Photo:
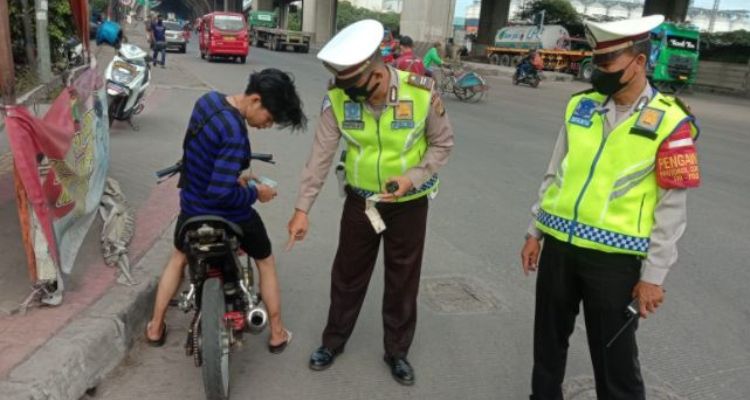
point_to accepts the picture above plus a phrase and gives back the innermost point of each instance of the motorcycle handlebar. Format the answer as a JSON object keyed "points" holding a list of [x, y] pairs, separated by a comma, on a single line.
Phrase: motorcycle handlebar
{"points": [[176, 168]]}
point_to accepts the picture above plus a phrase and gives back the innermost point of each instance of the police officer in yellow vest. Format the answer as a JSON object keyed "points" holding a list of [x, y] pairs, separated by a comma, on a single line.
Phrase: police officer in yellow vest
{"points": [[397, 136], [611, 210]]}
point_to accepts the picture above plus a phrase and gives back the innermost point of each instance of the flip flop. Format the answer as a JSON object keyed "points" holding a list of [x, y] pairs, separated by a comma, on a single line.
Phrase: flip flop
{"points": [[158, 342], [279, 348]]}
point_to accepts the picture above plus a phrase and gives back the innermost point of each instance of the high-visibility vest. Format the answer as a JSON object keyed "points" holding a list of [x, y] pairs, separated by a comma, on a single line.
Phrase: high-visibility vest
{"points": [[605, 191], [385, 147]]}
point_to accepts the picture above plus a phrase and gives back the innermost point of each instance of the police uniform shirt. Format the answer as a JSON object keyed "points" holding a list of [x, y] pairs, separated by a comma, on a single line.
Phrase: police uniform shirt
{"points": [[438, 131], [670, 215]]}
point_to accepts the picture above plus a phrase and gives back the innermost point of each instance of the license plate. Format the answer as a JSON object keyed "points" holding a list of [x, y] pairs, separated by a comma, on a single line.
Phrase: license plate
{"points": [[229, 38]]}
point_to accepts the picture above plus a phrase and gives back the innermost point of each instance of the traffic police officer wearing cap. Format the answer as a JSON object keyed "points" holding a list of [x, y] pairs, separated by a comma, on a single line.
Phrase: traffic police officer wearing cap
{"points": [[611, 209], [397, 136]]}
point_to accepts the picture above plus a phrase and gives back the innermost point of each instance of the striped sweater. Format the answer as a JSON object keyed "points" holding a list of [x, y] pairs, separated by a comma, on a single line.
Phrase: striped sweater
{"points": [[213, 160]]}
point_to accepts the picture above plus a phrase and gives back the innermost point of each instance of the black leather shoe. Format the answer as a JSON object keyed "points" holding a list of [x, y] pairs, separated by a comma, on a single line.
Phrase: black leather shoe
{"points": [[401, 370], [322, 358]]}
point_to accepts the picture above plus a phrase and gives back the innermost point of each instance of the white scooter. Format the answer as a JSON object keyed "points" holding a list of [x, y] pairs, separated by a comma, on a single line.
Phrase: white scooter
{"points": [[128, 75]]}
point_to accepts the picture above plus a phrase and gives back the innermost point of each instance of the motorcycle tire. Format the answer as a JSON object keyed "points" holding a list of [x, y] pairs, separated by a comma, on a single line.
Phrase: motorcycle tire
{"points": [[214, 341], [112, 109], [534, 82], [515, 79]]}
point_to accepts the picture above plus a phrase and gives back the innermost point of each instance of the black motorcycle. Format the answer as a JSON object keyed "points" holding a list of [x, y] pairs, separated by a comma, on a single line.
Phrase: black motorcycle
{"points": [[221, 295], [529, 77]]}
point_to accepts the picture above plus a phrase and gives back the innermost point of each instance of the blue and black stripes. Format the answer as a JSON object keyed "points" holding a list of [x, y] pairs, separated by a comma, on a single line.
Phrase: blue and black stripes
{"points": [[214, 157]]}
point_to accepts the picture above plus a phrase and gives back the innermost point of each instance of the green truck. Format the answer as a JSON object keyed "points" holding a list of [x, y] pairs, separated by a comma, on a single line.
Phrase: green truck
{"points": [[265, 32], [673, 63]]}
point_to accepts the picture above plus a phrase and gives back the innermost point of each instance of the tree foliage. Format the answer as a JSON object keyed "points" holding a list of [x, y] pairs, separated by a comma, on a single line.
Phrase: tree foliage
{"points": [[59, 27], [347, 14], [731, 47], [557, 12]]}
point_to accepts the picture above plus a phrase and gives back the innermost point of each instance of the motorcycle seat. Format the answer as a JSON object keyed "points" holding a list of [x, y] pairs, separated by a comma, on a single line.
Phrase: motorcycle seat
{"points": [[194, 223]]}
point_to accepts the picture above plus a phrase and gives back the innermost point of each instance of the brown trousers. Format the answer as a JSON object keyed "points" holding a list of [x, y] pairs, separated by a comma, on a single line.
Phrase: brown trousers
{"points": [[403, 242]]}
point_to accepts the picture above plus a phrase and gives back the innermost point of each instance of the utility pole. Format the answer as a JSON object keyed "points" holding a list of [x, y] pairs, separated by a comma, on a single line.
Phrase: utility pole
{"points": [[7, 78], [713, 16], [44, 63]]}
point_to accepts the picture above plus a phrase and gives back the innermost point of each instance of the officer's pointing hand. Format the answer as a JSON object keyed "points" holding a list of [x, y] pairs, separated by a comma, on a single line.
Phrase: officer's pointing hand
{"points": [[298, 226], [649, 297], [404, 186]]}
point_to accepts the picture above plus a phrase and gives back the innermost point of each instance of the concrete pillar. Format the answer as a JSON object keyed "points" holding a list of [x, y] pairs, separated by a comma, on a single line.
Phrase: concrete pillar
{"points": [[427, 20], [673, 10], [493, 16], [319, 18], [262, 5]]}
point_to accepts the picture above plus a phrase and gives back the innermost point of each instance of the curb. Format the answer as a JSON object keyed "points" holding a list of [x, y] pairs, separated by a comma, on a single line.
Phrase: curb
{"points": [[77, 358], [498, 71]]}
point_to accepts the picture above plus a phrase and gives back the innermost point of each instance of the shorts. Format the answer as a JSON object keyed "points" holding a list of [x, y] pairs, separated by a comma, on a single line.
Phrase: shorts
{"points": [[254, 241]]}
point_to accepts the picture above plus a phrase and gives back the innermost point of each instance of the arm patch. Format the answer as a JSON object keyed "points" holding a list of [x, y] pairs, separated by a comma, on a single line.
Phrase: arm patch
{"points": [[677, 161], [422, 82]]}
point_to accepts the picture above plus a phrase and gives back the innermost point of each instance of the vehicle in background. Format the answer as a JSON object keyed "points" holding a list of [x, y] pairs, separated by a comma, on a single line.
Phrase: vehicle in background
{"points": [[673, 64], [558, 50], [223, 34], [266, 32], [127, 76], [175, 36]]}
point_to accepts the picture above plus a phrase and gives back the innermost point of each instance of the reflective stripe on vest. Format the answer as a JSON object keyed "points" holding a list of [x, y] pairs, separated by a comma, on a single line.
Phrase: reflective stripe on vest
{"points": [[385, 147], [605, 192]]}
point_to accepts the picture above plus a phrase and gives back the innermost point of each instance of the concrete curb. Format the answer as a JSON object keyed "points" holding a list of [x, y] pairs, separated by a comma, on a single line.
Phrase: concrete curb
{"points": [[78, 357], [498, 71]]}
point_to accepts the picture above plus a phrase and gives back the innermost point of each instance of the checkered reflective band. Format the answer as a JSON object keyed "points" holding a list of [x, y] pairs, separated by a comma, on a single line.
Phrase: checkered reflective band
{"points": [[587, 232], [365, 194]]}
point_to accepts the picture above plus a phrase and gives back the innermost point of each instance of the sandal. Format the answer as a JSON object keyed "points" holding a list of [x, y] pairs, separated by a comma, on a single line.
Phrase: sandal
{"points": [[279, 348], [158, 342]]}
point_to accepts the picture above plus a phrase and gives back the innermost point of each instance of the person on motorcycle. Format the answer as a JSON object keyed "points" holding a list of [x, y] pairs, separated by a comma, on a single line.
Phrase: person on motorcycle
{"points": [[215, 181], [530, 64], [432, 59], [407, 61]]}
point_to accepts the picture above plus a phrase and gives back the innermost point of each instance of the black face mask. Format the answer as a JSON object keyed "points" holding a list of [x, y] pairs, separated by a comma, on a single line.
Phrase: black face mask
{"points": [[361, 93], [608, 83]]}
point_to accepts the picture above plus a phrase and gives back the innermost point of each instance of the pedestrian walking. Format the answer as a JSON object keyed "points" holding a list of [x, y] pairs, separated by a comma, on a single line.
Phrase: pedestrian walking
{"points": [[611, 209], [159, 40], [397, 137]]}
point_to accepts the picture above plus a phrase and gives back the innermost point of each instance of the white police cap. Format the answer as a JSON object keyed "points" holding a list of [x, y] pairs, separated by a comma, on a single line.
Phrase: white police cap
{"points": [[609, 38], [351, 51]]}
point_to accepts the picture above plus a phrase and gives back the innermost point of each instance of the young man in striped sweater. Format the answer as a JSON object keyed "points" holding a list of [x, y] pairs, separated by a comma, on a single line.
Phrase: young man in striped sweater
{"points": [[216, 173]]}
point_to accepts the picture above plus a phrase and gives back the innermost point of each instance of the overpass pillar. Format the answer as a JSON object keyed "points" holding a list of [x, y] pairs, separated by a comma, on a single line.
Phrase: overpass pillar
{"points": [[427, 20], [673, 10], [492, 16], [319, 18], [262, 5]]}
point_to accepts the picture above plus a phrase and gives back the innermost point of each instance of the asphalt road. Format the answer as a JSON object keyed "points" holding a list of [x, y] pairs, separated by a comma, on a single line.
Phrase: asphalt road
{"points": [[473, 339]]}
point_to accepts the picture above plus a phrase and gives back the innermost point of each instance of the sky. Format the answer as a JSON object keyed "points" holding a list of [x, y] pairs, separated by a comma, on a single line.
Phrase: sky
{"points": [[724, 5]]}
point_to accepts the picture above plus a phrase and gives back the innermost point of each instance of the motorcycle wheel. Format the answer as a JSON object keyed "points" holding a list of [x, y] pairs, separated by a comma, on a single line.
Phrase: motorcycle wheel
{"points": [[515, 79], [112, 109], [214, 341], [534, 82]]}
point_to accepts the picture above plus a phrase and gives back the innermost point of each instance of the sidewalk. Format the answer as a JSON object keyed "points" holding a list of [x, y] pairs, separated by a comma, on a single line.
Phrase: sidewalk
{"points": [[60, 352]]}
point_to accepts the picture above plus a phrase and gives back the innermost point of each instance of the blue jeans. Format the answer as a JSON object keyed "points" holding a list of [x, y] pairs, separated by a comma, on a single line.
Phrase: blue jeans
{"points": [[160, 47]]}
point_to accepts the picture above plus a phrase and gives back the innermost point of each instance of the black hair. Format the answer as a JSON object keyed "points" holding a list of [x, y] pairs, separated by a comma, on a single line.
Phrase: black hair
{"points": [[642, 47], [279, 96], [406, 41]]}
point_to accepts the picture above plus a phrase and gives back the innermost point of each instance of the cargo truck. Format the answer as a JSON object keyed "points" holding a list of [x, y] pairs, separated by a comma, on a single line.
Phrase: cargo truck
{"points": [[558, 50], [265, 32]]}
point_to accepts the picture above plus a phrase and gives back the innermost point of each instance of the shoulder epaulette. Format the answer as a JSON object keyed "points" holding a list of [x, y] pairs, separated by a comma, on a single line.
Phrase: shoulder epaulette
{"points": [[590, 90], [422, 82], [684, 106]]}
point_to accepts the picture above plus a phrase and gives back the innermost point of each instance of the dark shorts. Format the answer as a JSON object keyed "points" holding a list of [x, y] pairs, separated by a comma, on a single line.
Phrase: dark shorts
{"points": [[254, 241]]}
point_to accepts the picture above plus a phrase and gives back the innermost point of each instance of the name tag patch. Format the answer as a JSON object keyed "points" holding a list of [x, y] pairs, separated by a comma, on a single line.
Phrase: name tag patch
{"points": [[402, 124], [583, 113]]}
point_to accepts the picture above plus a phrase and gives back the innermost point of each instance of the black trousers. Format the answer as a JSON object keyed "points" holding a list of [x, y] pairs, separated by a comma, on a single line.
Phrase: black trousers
{"points": [[403, 243], [569, 275]]}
